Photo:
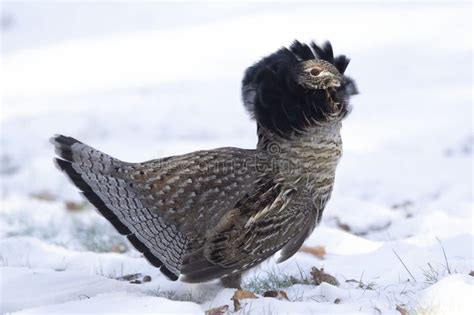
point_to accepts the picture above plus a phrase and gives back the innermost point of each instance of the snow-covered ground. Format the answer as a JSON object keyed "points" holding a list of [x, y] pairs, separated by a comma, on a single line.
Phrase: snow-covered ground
{"points": [[142, 81]]}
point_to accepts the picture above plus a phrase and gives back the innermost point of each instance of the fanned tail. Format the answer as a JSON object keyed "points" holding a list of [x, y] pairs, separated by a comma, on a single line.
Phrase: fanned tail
{"points": [[101, 181]]}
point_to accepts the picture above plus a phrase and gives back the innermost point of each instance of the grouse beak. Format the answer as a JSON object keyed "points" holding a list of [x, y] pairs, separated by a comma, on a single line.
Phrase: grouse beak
{"points": [[334, 82]]}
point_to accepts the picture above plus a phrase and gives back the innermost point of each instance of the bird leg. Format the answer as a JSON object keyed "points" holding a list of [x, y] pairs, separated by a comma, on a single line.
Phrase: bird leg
{"points": [[232, 281]]}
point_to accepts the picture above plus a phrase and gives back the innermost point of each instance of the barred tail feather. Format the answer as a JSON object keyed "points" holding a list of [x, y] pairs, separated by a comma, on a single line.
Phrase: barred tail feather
{"points": [[63, 148], [95, 174], [91, 196]]}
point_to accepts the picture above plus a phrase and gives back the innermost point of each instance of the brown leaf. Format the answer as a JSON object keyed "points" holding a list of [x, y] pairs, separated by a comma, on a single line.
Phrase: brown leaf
{"points": [[344, 226], [237, 305], [118, 248], [402, 310], [217, 310], [471, 273], [240, 295], [44, 196], [318, 251], [274, 294], [75, 206], [337, 301], [284, 295], [319, 276]]}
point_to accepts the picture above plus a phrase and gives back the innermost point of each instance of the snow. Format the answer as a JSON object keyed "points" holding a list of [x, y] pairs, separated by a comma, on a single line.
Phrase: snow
{"points": [[451, 295], [113, 304], [149, 80]]}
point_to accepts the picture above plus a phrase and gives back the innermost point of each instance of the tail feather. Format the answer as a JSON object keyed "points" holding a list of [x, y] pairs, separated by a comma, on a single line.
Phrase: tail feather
{"points": [[62, 146], [201, 270], [91, 196], [97, 176]]}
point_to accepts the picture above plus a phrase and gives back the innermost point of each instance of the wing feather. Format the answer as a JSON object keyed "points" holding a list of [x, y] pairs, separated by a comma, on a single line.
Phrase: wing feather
{"points": [[263, 226]]}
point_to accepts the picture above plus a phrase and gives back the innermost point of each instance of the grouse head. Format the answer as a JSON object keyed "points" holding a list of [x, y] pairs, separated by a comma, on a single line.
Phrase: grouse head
{"points": [[298, 87]]}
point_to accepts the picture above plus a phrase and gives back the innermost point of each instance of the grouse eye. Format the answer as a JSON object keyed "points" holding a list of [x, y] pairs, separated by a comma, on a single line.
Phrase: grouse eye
{"points": [[314, 72]]}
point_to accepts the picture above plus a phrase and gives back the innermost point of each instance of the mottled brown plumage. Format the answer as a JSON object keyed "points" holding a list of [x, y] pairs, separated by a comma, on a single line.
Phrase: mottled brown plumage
{"points": [[216, 213]]}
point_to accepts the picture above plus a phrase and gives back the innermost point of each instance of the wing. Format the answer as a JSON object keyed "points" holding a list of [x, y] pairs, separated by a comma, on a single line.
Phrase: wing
{"points": [[260, 224], [194, 190], [318, 204], [162, 206]]}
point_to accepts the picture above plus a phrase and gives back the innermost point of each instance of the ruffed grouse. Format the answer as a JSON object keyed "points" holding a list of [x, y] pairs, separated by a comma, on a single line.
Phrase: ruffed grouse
{"points": [[216, 213]]}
